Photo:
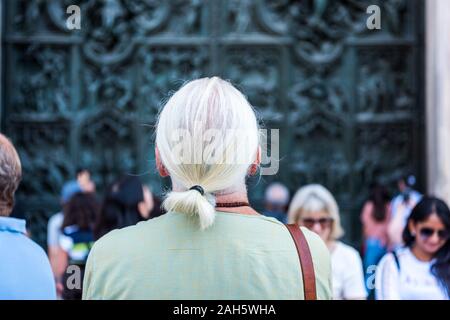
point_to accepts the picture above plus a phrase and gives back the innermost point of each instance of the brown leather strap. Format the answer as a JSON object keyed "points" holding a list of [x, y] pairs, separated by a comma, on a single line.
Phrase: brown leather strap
{"points": [[306, 262], [232, 204]]}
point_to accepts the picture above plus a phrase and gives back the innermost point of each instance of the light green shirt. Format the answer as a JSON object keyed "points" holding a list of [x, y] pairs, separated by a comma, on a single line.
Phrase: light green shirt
{"points": [[169, 257]]}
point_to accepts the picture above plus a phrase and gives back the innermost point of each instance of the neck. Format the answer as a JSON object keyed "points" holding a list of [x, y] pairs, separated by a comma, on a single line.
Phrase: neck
{"points": [[331, 244], [235, 197], [420, 254], [234, 194], [5, 209]]}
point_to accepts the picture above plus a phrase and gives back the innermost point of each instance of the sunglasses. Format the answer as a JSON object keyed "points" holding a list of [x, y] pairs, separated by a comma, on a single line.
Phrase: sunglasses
{"points": [[429, 232], [310, 223]]}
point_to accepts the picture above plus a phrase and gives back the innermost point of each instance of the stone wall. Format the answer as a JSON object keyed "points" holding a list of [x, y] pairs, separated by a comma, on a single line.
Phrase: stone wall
{"points": [[438, 97]]}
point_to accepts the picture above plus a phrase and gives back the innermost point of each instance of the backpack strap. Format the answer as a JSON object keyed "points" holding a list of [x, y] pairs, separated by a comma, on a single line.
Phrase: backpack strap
{"points": [[397, 262], [306, 262]]}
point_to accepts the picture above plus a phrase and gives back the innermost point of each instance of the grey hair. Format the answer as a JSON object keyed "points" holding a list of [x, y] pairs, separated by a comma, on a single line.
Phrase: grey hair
{"points": [[10, 175], [199, 107]]}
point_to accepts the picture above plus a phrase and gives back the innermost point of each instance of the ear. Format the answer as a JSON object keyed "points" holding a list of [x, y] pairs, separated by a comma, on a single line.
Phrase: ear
{"points": [[161, 169], [412, 228], [255, 165]]}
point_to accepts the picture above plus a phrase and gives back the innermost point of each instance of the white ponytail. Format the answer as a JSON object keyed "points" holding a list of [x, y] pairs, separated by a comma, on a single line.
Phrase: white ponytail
{"points": [[192, 202], [202, 105]]}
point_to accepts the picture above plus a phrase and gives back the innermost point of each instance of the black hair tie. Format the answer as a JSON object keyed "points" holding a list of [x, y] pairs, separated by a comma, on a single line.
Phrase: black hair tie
{"points": [[199, 189]]}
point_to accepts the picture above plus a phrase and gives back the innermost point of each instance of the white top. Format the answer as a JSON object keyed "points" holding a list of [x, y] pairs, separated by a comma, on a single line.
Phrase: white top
{"points": [[398, 200], [54, 229], [414, 280], [347, 273], [399, 217]]}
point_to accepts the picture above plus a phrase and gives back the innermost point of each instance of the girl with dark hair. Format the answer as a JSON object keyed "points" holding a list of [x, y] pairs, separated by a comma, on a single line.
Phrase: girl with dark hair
{"points": [[127, 201], [77, 238], [420, 270], [374, 218]]}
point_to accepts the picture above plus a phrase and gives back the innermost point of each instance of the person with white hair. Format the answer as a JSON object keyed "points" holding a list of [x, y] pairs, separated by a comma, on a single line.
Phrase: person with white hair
{"points": [[314, 207], [211, 244], [276, 199]]}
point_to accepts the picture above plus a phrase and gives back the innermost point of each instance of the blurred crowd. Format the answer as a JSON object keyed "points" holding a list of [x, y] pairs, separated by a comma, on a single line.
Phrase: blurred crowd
{"points": [[405, 252], [85, 218], [407, 234]]}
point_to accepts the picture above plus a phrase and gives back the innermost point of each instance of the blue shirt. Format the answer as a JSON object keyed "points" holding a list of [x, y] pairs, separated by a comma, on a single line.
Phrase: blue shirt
{"points": [[25, 272]]}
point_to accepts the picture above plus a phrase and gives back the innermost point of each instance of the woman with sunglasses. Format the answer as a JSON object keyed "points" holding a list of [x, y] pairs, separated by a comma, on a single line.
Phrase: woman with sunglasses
{"points": [[421, 269], [315, 208]]}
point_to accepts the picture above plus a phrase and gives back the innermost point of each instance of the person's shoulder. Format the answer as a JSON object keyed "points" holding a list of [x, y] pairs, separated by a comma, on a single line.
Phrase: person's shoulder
{"points": [[402, 253], [271, 222], [317, 246], [368, 205], [34, 251], [322, 264], [366, 212], [118, 238], [312, 237], [56, 219], [32, 254], [397, 199], [389, 261], [277, 215], [258, 223]]}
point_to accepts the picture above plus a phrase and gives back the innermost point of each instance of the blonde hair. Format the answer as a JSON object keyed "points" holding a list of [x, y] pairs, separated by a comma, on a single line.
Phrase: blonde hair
{"points": [[205, 105], [314, 198]]}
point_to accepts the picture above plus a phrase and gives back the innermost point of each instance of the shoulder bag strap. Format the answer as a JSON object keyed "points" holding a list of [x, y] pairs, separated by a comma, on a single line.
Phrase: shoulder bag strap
{"points": [[306, 262], [397, 261]]}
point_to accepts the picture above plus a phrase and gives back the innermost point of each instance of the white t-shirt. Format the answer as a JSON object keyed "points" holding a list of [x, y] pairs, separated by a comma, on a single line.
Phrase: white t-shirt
{"points": [[54, 229], [414, 281], [414, 197], [399, 217], [347, 273]]}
